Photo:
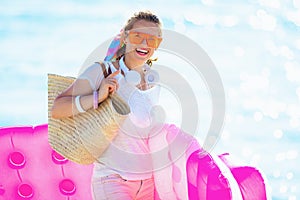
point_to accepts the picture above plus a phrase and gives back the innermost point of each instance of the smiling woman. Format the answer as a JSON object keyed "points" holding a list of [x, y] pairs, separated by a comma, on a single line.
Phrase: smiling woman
{"points": [[147, 159], [123, 72]]}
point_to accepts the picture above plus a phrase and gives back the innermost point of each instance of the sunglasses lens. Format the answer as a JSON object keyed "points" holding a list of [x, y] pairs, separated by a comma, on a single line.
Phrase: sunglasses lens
{"points": [[135, 38], [152, 42]]}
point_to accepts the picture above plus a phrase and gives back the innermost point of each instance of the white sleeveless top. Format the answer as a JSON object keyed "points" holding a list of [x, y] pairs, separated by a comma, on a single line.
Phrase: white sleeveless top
{"points": [[128, 155]]}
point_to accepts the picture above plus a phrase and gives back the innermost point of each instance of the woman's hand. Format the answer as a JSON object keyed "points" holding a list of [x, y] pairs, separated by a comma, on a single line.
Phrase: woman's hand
{"points": [[108, 86]]}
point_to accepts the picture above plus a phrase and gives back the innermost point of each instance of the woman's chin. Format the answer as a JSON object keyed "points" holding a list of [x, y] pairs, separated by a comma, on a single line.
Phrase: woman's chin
{"points": [[140, 58]]}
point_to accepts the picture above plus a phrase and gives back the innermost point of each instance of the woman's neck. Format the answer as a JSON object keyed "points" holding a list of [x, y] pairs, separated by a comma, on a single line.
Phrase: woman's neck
{"points": [[131, 65]]}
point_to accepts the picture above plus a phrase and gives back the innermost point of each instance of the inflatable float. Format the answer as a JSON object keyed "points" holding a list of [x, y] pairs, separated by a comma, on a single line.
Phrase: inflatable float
{"points": [[31, 169]]}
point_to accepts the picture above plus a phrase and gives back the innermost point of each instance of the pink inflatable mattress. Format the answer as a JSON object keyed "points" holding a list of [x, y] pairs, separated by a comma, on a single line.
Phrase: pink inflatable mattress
{"points": [[30, 169]]}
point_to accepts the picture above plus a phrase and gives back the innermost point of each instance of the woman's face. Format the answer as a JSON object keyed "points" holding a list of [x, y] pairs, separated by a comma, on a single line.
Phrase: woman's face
{"points": [[141, 42]]}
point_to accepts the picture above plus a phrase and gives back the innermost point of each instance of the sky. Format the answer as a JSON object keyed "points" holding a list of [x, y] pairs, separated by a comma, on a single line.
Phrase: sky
{"points": [[254, 44]]}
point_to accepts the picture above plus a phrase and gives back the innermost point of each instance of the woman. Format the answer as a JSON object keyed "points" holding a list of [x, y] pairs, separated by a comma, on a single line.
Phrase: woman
{"points": [[140, 164], [114, 176]]}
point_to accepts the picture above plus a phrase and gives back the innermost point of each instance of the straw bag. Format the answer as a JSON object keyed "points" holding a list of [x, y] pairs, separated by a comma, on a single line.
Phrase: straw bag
{"points": [[85, 136]]}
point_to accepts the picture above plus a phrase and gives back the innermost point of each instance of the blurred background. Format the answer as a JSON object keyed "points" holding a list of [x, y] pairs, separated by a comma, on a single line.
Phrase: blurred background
{"points": [[254, 44]]}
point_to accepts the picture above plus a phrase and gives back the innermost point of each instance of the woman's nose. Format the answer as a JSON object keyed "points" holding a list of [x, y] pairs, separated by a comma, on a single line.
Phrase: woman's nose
{"points": [[144, 41]]}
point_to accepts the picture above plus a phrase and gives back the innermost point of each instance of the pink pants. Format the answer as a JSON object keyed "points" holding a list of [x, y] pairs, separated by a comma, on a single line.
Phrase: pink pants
{"points": [[114, 187]]}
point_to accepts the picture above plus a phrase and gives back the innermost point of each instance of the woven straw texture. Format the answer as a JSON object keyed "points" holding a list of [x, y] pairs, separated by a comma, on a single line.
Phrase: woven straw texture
{"points": [[85, 136]]}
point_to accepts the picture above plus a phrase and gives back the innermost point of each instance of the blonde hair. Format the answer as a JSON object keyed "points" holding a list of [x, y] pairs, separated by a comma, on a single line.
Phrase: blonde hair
{"points": [[143, 15]]}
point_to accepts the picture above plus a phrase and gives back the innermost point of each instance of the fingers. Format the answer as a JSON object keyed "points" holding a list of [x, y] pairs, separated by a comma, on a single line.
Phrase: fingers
{"points": [[112, 82], [113, 74], [112, 88], [116, 85], [112, 85]]}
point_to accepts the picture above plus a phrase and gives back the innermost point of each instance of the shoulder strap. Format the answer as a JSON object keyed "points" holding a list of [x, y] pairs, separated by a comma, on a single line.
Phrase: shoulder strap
{"points": [[108, 71], [105, 72]]}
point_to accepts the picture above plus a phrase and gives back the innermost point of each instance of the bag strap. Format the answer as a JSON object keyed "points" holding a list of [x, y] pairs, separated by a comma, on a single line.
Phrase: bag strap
{"points": [[105, 72], [108, 72]]}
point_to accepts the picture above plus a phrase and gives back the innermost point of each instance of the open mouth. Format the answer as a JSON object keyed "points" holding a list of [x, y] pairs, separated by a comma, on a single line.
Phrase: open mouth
{"points": [[142, 51]]}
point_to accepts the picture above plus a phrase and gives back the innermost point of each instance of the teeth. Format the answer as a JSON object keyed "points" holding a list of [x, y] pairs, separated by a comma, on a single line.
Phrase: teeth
{"points": [[142, 50]]}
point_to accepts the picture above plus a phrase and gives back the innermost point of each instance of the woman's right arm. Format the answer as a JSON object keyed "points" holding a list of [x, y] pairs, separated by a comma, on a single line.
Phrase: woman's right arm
{"points": [[64, 104]]}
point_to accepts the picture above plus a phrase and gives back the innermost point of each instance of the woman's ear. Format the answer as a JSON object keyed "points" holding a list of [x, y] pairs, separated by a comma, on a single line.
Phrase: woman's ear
{"points": [[123, 36]]}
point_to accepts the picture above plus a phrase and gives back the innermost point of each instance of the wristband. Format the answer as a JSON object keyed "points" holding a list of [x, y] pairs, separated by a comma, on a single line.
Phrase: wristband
{"points": [[95, 94], [78, 105]]}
